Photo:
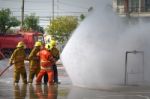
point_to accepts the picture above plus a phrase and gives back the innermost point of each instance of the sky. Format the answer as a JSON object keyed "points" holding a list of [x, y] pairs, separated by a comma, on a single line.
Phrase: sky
{"points": [[43, 8]]}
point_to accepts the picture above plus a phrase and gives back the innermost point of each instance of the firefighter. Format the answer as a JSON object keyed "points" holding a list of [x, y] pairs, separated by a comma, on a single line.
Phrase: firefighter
{"points": [[34, 62], [46, 63], [18, 57], [55, 53]]}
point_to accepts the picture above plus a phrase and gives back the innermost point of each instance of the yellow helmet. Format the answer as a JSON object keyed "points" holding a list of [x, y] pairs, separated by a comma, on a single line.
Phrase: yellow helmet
{"points": [[20, 44], [48, 46], [53, 42], [38, 43]]}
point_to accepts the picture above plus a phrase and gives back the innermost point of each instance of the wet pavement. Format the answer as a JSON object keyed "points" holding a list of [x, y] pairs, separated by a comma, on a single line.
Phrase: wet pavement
{"points": [[65, 90]]}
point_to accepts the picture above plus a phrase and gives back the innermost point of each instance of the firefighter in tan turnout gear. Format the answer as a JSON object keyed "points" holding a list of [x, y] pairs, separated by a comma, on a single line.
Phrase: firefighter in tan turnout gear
{"points": [[34, 61], [18, 57], [55, 53]]}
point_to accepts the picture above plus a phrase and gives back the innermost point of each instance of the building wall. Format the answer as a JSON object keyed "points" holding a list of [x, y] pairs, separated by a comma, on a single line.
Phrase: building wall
{"points": [[147, 5], [114, 3], [132, 7], [118, 6]]}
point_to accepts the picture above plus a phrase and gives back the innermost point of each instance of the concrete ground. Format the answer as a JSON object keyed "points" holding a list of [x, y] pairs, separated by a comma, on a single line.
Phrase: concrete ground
{"points": [[65, 90]]}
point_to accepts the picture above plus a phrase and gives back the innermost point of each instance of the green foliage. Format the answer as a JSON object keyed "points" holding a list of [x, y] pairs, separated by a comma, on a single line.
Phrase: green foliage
{"points": [[62, 27], [40, 29], [82, 17], [31, 23], [7, 21]]}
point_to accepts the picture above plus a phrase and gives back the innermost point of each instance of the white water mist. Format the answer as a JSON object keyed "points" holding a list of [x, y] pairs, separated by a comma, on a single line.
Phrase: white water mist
{"points": [[95, 54]]}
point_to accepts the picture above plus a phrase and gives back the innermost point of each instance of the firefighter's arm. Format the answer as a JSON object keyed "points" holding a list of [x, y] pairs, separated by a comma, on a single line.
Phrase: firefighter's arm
{"points": [[52, 59], [58, 55], [38, 54], [12, 58], [31, 55]]}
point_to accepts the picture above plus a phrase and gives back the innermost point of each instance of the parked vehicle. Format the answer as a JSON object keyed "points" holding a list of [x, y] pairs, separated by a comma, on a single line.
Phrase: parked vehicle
{"points": [[8, 42]]}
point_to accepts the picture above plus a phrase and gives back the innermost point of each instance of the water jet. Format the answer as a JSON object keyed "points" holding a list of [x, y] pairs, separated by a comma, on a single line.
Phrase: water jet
{"points": [[94, 57]]}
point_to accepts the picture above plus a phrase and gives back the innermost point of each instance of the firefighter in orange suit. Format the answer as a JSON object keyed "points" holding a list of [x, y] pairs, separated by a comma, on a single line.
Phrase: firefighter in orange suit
{"points": [[34, 62], [55, 53], [18, 57], [46, 63]]}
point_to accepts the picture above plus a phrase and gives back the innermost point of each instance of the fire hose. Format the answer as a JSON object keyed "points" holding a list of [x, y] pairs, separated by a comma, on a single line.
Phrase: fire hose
{"points": [[5, 69]]}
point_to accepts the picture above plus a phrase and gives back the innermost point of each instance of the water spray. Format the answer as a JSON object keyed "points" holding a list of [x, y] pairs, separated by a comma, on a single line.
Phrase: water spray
{"points": [[94, 55]]}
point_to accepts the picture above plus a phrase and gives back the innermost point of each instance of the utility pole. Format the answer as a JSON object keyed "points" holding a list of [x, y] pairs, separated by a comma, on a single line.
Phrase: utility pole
{"points": [[53, 9], [53, 14], [57, 7], [22, 13]]}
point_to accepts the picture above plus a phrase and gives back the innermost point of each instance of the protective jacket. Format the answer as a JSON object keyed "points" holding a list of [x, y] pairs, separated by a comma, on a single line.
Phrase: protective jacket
{"points": [[34, 60], [18, 58], [46, 58]]}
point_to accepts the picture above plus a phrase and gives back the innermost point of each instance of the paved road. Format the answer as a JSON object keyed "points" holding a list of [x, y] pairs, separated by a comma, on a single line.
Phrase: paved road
{"points": [[65, 90]]}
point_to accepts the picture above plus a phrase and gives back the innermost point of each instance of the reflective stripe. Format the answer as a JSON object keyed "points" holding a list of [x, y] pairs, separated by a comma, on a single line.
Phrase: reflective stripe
{"points": [[45, 61], [50, 68]]}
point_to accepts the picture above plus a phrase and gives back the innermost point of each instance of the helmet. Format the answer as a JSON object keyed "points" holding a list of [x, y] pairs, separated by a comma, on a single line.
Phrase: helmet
{"points": [[38, 43], [53, 42], [20, 44], [48, 46]]}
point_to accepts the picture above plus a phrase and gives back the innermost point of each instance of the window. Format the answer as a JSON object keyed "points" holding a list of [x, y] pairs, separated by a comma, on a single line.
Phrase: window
{"points": [[147, 5], [120, 2], [147, 2], [134, 3]]}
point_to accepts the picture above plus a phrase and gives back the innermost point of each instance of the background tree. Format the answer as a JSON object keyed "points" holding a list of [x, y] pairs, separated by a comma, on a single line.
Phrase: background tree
{"points": [[40, 29], [62, 27], [7, 21], [31, 23], [82, 17]]}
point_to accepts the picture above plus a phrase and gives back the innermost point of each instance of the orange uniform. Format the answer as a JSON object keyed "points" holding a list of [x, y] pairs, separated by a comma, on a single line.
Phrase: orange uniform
{"points": [[46, 63]]}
